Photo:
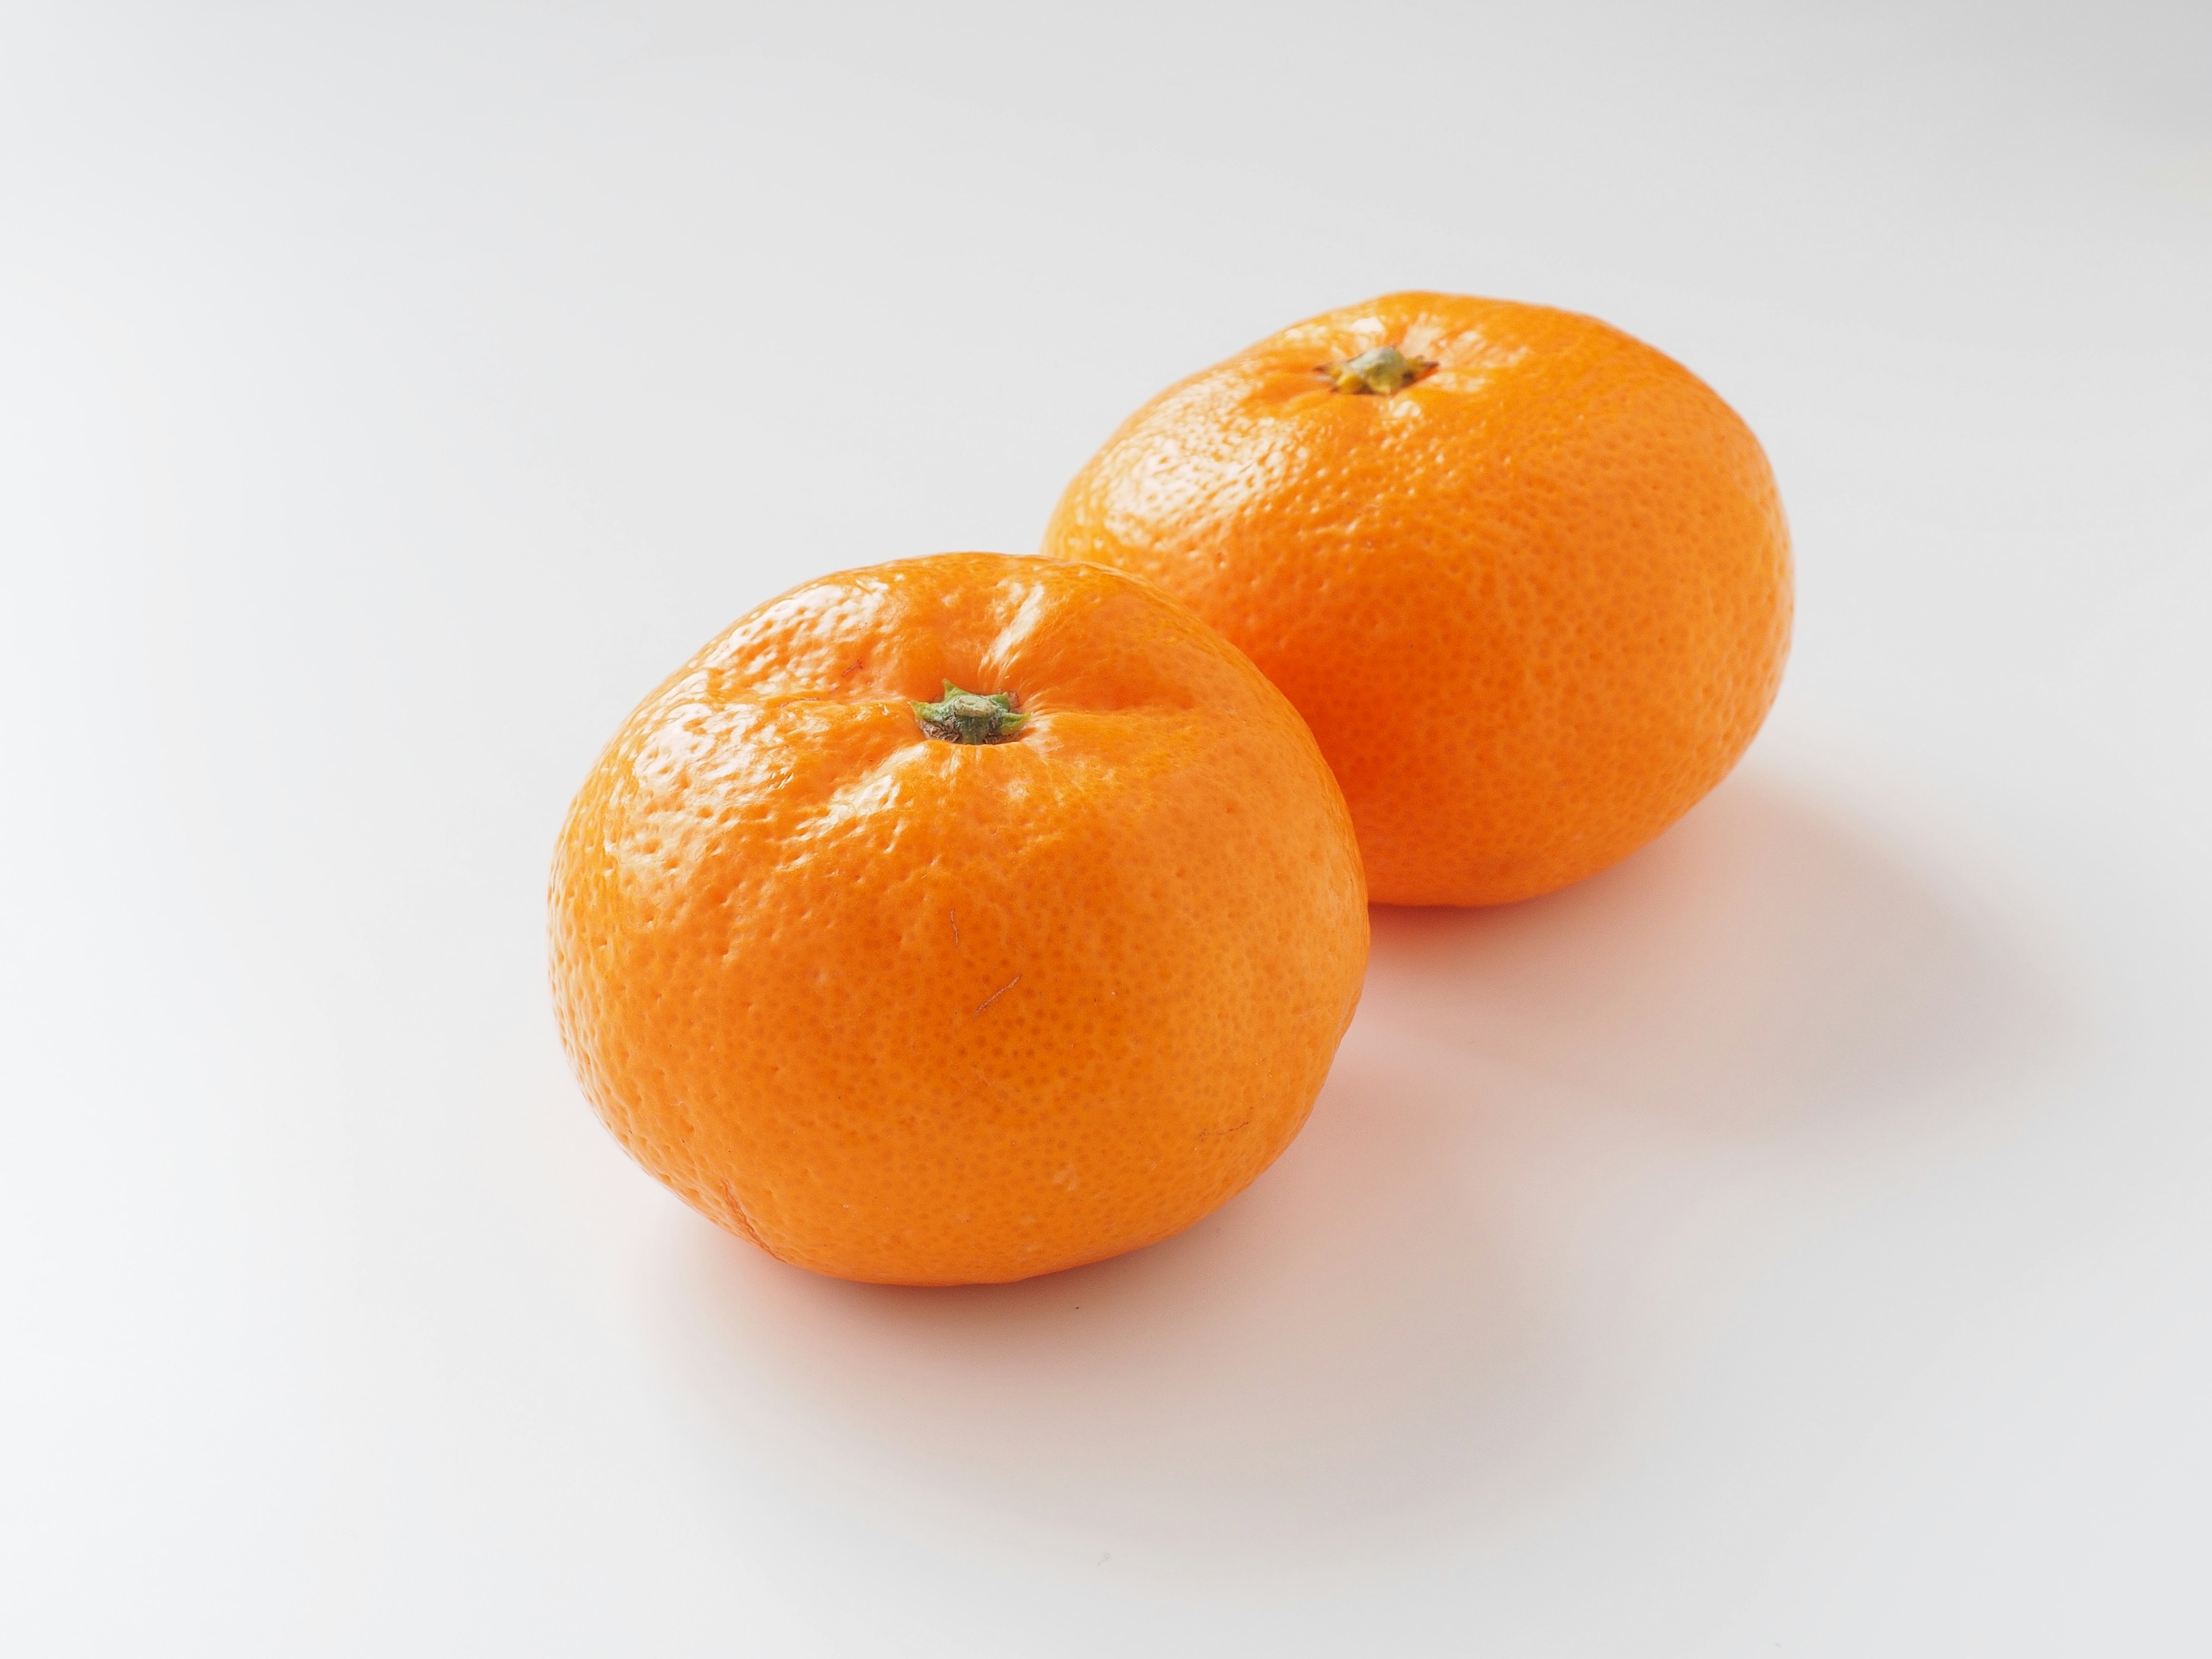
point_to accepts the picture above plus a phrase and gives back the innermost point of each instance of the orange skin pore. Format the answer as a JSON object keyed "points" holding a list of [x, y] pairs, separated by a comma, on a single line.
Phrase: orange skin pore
{"points": [[1533, 605], [923, 1011]]}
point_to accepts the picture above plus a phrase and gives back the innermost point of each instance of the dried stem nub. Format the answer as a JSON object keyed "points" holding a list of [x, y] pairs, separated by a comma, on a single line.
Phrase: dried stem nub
{"points": [[1376, 374]]}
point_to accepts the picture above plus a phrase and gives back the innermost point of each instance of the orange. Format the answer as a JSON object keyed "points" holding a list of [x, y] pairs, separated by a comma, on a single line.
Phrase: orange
{"points": [[924, 985], [1527, 579]]}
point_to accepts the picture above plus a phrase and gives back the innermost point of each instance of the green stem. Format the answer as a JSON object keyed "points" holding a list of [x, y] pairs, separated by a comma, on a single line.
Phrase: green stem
{"points": [[969, 716]]}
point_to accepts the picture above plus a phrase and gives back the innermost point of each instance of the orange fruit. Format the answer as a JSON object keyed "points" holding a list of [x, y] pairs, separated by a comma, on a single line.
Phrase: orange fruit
{"points": [[924, 986], [1527, 579]]}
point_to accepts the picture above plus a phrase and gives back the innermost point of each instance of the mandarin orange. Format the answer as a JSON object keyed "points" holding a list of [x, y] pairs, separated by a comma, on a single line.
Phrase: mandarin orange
{"points": [[1527, 579], [958, 920]]}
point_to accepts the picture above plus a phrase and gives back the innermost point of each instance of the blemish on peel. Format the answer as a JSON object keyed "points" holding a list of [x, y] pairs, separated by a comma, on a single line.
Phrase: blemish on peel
{"points": [[995, 995]]}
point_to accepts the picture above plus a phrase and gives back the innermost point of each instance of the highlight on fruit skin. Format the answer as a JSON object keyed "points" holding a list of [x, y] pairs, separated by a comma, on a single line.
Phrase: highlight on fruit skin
{"points": [[921, 984], [1527, 579]]}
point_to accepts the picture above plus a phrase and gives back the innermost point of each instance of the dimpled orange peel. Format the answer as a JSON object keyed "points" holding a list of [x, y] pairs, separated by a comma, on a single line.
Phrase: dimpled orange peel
{"points": [[1527, 579], [958, 920]]}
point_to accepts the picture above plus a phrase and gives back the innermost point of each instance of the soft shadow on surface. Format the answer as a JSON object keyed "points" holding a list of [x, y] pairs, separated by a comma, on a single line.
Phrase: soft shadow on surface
{"points": [[1266, 1381], [1765, 961], [1397, 1331]]}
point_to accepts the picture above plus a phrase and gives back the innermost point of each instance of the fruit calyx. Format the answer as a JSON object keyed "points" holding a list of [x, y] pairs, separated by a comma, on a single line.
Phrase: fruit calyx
{"points": [[1377, 373], [969, 716]]}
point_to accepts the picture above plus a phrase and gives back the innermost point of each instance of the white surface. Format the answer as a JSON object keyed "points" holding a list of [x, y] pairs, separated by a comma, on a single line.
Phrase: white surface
{"points": [[1795, 1242]]}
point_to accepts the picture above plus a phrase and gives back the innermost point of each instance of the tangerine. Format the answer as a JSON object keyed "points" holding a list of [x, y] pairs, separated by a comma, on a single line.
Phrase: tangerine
{"points": [[924, 985], [1527, 579]]}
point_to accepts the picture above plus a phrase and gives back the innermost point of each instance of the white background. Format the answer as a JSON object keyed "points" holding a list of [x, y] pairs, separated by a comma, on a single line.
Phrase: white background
{"points": [[1797, 1241]]}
